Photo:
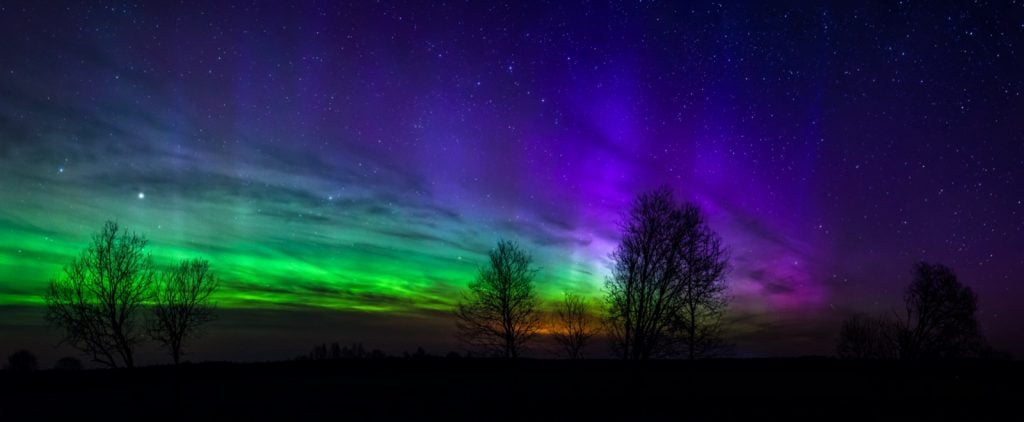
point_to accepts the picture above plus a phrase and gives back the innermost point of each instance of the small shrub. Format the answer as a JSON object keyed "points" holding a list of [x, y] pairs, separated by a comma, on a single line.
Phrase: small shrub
{"points": [[22, 361]]}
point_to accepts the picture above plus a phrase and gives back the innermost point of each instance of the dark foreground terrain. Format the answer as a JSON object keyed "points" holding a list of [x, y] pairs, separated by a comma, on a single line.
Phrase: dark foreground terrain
{"points": [[478, 389]]}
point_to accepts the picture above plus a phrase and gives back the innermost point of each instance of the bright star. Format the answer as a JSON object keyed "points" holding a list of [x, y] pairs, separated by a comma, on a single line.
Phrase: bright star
{"points": [[142, 195]]}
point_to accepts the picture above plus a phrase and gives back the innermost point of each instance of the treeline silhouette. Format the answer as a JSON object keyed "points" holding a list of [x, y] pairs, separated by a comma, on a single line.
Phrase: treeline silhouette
{"points": [[665, 298], [335, 351]]}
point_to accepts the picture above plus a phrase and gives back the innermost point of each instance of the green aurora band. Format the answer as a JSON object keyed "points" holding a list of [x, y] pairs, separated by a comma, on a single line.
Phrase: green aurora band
{"points": [[313, 259]]}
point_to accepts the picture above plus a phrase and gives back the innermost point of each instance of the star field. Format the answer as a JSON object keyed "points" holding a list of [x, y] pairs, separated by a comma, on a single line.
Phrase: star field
{"points": [[361, 159]]}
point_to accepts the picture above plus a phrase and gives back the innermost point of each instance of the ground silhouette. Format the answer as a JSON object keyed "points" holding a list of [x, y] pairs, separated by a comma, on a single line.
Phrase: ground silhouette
{"points": [[527, 389]]}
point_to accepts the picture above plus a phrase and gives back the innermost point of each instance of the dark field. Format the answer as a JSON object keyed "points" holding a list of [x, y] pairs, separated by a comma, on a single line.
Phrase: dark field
{"points": [[761, 389]]}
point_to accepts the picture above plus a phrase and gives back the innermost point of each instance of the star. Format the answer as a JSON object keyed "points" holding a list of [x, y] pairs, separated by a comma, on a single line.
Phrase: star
{"points": [[142, 195]]}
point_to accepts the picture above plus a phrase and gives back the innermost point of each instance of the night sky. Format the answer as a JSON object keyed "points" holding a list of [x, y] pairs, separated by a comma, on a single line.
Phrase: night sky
{"points": [[345, 168]]}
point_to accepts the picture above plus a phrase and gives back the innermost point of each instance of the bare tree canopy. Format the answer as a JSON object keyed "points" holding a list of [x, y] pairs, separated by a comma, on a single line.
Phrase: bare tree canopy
{"points": [[940, 316], [574, 326], [499, 313], [704, 299], [98, 297], [666, 293], [181, 305]]}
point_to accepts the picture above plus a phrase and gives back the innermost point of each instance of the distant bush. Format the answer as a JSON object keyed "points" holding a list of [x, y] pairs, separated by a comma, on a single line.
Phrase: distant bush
{"points": [[22, 361], [420, 353], [68, 363]]}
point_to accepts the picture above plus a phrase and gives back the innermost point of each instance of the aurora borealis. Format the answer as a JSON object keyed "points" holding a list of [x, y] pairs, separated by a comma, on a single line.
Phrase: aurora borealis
{"points": [[351, 164]]}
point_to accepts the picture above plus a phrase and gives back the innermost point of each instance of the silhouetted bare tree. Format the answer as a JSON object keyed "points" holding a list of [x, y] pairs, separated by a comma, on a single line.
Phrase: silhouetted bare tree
{"points": [[22, 361], [181, 305], [865, 337], [704, 299], [665, 295], [499, 313], [940, 316], [575, 326], [98, 297], [939, 323]]}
